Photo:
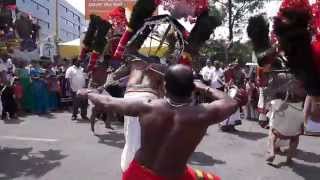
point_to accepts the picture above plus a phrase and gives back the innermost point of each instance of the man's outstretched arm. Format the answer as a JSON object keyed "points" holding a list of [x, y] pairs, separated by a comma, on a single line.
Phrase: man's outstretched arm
{"points": [[222, 105], [124, 106]]}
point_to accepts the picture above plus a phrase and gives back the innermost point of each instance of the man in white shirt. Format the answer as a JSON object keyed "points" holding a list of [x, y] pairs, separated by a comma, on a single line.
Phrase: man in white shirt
{"points": [[7, 68], [206, 72], [216, 77], [77, 80]]}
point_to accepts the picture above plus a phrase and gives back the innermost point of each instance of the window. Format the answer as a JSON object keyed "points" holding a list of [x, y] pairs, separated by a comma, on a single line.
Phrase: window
{"points": [[43, 24], [64, 8]]}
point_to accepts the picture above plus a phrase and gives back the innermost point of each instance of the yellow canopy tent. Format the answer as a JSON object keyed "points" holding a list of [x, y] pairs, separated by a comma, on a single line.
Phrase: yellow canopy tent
{"points": [[70, 49], [150, 47]]}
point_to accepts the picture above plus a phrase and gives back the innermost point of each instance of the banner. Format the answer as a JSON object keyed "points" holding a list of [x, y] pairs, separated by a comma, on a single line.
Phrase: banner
{"points": [[102, 7], [7, 2]]}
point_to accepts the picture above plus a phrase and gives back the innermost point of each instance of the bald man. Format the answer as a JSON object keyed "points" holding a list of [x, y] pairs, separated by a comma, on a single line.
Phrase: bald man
{"points": [[172, 127]]}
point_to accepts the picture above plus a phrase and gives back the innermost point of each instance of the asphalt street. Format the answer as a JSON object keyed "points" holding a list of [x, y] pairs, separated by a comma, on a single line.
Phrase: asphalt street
{"points": [[56, 148]]}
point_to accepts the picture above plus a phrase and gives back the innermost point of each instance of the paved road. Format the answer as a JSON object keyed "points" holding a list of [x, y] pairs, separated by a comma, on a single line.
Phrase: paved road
{"points": [[56, 148]]}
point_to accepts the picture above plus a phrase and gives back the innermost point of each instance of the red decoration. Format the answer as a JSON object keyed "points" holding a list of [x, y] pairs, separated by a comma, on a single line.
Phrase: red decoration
{"points": [[315, 24], [185, 59], [316, 53], [122, 43], [93, 60], [117, 17], [301, 5], [83, 52]]}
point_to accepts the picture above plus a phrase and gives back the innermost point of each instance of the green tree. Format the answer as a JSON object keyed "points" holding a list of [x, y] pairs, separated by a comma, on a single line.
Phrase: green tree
{"points": [[235, 15], [217, 50]]}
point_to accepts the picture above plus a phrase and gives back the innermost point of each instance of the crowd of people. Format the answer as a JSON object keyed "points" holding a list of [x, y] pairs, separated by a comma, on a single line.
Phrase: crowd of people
{"points": [[233, 76], [38, 87]]}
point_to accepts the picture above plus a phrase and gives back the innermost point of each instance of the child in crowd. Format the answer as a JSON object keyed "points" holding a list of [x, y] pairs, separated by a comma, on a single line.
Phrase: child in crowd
{"points": [[8, 101], [286, 125]]}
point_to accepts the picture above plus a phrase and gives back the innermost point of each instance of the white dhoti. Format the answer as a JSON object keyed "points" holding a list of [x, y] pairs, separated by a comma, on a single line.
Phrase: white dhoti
{"points": [[132, 131], [286, 118], [233, 120], [312, 128]]}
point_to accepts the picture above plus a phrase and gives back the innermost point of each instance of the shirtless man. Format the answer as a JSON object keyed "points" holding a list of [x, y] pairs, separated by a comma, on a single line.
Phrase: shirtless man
{"points": [[144, 83], [171, 128]]}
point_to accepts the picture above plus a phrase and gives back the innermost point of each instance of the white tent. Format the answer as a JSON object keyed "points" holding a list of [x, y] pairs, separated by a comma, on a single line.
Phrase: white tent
{"points": [[75, 42]]}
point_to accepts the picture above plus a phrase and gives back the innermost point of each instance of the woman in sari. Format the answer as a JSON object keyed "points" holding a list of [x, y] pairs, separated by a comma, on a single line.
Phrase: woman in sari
{"points": [[24, 75], [39, 89]]}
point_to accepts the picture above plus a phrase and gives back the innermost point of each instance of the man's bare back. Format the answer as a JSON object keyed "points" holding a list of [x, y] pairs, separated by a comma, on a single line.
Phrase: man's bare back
{"points": [[169, 136], [171, 128]]}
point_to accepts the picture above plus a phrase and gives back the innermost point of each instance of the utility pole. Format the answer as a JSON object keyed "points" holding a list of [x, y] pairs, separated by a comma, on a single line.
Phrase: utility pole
{"points": [[56, 21]]}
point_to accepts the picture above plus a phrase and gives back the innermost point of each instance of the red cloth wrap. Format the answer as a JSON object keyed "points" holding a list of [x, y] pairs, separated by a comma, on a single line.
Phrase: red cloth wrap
{"points": [[138, 172], [122, 44], [93, 60], [316, 53], [185, 60]]}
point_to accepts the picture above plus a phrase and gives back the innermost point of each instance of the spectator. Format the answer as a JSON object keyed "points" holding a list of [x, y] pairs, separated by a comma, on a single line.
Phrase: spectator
{"points": [[8, 101], [206, 72], [18, 93], [77, 80], [216, 77], [39, 89], [65, 93], [53, 91], [6, 67], [23, 74]]}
